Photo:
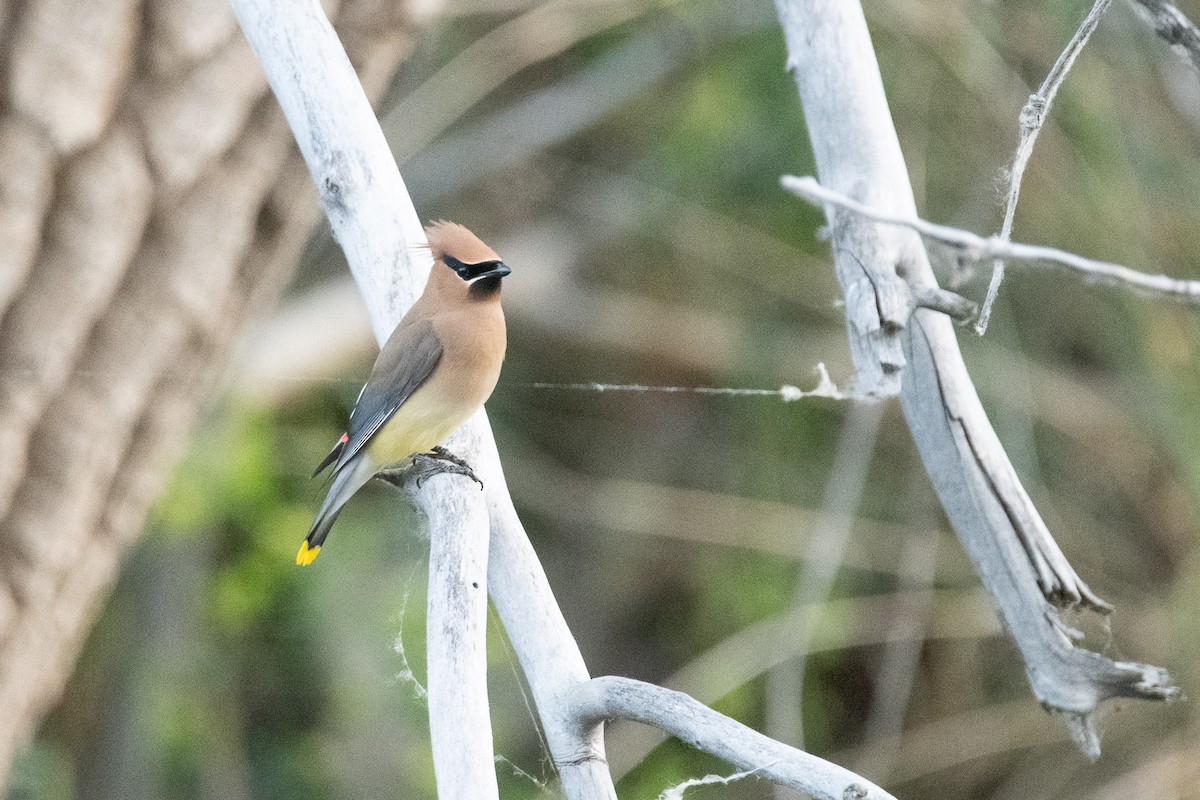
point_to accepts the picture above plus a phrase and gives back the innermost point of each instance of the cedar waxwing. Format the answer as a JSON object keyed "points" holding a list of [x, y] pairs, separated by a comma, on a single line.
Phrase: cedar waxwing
{"points": [[438, 366]]}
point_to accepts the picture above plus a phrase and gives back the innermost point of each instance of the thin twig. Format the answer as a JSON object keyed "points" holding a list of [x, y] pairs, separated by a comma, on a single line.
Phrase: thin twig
{"points": [[1033, 116], [974, 247]]}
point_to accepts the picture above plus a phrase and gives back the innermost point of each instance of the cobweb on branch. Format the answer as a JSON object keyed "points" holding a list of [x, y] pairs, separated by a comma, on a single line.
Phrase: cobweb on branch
{"points": [[787, 392]]}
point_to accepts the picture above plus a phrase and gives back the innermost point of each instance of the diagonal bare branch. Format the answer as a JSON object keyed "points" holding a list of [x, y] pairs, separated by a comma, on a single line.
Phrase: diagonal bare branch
{"points": [[973, 247], [858, 157]]}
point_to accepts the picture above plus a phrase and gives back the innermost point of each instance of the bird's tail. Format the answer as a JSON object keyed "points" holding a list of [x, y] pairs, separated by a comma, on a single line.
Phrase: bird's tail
{"points": [[346, 482]]}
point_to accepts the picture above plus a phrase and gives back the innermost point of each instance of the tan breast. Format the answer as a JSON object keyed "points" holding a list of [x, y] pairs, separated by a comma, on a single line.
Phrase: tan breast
{"points": [[473, 346]]}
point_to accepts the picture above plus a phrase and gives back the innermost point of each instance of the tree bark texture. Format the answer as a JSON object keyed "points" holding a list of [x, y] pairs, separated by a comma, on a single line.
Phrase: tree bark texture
{"points": [[151, 200]]}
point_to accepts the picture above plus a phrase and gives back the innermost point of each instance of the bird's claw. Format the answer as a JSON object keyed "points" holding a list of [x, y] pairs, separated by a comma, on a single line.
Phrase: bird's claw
{"points": [[439, 460]]}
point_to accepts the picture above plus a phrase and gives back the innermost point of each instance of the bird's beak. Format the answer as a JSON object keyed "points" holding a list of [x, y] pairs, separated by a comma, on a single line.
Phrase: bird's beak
{"points": [[499, 271]]}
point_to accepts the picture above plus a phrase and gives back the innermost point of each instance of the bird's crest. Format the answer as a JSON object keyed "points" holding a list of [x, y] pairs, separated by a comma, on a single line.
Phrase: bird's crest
{"points": [[450, 238]]}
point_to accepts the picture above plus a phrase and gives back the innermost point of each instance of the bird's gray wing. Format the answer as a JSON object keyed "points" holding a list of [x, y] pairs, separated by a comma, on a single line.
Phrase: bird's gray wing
{"points": [[407, 360]]}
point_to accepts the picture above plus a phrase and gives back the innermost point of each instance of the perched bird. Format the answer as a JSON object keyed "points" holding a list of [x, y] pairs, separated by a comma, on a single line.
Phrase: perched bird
{"points": [[438, 366]]}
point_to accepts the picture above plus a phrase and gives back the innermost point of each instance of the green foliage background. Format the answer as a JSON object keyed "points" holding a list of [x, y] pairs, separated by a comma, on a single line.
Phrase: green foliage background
{"points": [[221, 670]]}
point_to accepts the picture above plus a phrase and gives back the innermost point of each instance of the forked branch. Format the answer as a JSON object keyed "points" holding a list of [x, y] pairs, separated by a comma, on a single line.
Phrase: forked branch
{"points": [[880, 267], [377, 226], [610, 698]]}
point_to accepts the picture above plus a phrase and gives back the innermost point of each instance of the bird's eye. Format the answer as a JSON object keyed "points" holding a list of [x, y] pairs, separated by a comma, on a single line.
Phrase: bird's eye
{"points": [[460, 269]]}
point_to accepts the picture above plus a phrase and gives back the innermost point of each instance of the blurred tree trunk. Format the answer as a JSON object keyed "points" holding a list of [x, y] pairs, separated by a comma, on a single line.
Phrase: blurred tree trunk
{"points": [[151, 201]]}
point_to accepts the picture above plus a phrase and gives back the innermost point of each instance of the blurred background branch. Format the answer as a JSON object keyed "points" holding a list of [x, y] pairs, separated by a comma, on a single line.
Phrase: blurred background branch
{"points": [[1172, 26]]}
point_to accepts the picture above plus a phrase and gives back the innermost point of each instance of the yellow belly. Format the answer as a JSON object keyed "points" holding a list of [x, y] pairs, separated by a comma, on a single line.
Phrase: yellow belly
{"points": [[417, 426]]}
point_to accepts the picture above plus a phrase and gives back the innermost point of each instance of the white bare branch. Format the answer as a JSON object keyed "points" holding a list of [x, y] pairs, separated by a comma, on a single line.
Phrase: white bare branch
{"points": [[357, 180], [456, 632], [375, 222], [1032, 118], [858, 154], [539, 634], [373, 217], [881, 269], [610, 698], [973, 247]]}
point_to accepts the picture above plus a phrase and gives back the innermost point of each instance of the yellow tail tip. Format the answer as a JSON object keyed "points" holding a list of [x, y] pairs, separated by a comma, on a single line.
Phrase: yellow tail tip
{"points": [[307, 554]]}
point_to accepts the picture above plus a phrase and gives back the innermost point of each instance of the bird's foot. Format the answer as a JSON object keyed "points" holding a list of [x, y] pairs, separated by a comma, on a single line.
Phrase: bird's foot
{"points": [[443, 454], [424, 466], [437, 461]]}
